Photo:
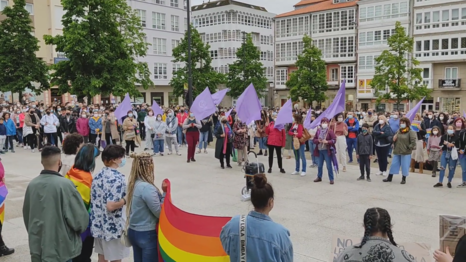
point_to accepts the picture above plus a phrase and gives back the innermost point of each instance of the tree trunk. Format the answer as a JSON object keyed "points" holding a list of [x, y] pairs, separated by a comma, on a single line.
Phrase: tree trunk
{"points": [[20, 97]]}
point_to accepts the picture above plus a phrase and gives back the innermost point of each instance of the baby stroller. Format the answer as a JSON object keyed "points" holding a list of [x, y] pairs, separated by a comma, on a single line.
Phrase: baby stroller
{"points": [[251, 169]]}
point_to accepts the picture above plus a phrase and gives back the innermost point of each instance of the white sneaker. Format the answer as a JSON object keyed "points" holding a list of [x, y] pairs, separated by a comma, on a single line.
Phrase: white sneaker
{"points": [[384, 173], [379, 173], [303, 173], [33, 151], [294, 173]]}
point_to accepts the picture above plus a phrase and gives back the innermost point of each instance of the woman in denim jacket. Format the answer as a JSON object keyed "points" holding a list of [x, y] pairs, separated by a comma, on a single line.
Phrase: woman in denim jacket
{"points": [[265, 239]]}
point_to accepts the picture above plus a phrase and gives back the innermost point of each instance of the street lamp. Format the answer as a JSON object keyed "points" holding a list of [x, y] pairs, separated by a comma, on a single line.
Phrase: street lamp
{"points": [[190, 77], [244, 54]]}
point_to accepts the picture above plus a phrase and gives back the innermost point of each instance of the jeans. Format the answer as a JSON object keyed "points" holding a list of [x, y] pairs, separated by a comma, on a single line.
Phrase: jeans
{"points": [[204, 137], [19, 134], [400, 161], [142, 130], [158, 146], [9, 140], [52, 138], [462, 159], [365, 165], [262, 143], [443, 166], [352, 143], [312, 147], [382, 155], [144, 245], [170, 140], [180, 135], [323, 156], [299, 153]]}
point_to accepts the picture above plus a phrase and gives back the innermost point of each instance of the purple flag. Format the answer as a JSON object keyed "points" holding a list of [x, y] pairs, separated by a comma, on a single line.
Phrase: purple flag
{"points": [[285, 116], [307, 121], [412, 113], [219, 95], [227, 114], [337, 106], [156, 108], [248, 106], [123, 108], [203, 106], [464, 114]]}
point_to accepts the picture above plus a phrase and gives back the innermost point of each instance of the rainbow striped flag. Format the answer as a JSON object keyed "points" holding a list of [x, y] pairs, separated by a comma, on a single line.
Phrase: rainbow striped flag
{"points": [[186, 237], [82, 180], [416, 126], [3, 194]]}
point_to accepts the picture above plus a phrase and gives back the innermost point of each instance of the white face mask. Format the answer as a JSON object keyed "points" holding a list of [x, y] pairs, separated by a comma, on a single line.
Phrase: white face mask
{"points": [[435, 132], [340, 119], [83, 116], [430, 116], [395, 116], [159, 118], [130, 115], [324, 126], [441, 118], [381, 122], [96, 115]]}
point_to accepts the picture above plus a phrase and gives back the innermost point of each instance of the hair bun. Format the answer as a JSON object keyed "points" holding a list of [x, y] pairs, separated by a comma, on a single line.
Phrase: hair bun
{"points": [[260, 180]]}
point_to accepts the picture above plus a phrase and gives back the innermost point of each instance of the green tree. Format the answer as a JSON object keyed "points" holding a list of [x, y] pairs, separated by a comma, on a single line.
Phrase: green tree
{"points": [[102, 40], [203, 74], [396, 71], [20, 68], [247, 69], [310, 80]]}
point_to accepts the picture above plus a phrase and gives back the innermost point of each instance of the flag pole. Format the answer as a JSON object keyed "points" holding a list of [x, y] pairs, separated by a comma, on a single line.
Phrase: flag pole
{"points": [[190, 77]]}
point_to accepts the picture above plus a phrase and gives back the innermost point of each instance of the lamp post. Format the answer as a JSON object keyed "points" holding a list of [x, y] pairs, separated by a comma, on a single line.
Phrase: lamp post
{"points": [[189, 65], [244, 54]]}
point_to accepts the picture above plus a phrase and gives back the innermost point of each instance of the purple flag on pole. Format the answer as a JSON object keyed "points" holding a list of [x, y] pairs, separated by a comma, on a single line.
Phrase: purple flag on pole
{"points": [[464, 114], [337, 106], [219, 95], [285, 116], [227, 114], [203, 106], [412, 113], [307, 121], [156, 108], [248, 107], [123, 108]]}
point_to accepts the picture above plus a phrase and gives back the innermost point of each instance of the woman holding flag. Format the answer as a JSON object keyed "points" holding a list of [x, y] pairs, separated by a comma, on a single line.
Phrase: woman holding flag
{"points": [[324, 139], [297, 132]]}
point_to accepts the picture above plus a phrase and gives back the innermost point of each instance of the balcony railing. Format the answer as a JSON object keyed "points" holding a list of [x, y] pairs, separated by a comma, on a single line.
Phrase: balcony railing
{"points": [[449, 83]]}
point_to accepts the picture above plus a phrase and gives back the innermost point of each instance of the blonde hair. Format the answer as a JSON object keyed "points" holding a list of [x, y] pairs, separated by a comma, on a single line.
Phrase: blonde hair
{"points": [[417, 117], [142, 169], [382, 117]]}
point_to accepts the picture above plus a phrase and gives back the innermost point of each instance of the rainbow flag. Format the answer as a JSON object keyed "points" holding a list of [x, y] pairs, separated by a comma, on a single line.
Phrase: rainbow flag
{"points": [[416, 126], [186, 237], [3, 193]]}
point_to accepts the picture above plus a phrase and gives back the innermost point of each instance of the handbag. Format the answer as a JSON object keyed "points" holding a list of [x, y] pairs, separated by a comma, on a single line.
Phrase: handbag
{"points": [[454, 153], [306, 136], [243, 238], [296, 143]]}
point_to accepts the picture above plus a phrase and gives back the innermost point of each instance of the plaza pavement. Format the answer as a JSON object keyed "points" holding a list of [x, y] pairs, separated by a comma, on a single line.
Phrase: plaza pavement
{"points": [[313, 212]]}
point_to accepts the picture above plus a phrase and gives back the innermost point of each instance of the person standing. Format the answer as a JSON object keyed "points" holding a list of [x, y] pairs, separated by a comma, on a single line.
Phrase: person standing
{"points": [[240, 141], [404, 142], [130, 126], [149, 123], [19, 126], [418, 154], [223, 133], [289, 141], [429, 122], [340, 129], [364, 149], [2, 136], [141, 117], [82, 126], [192, 126], [297, 130], [95, 126], [67, 123], [204, 134], [261, 125], [50, 122], [434, 149], [170, 136], [324, 139], [10, 132], [448, 142], [31, 129], [160, 127], [53, 212], [182, 116], [353, 130], [275, 142], [108, 192], [394, 123], [109, 128], [382, 132]]}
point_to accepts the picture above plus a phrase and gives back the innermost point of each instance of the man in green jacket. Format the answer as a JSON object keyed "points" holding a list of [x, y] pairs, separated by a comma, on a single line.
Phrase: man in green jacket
{"points": [[54, 213]]}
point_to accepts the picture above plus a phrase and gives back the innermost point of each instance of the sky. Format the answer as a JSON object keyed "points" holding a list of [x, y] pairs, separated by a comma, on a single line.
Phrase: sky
{"points": [[273, 6]]}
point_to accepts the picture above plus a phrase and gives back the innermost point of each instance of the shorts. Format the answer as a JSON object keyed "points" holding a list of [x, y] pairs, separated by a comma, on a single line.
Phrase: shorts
{"points": [[111, 250]]}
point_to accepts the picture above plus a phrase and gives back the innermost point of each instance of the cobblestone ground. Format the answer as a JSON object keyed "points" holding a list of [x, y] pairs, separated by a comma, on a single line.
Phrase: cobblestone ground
{"points": [[313, 212]]}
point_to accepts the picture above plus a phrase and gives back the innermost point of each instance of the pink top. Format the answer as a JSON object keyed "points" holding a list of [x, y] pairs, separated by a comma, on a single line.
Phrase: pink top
{"points": [[339, 128], [225, 139], [2, 173], [21, 120]]}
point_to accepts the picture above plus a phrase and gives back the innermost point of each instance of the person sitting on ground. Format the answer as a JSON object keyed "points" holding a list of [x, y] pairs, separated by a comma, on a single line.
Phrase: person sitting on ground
{"points": [[377, 242]]}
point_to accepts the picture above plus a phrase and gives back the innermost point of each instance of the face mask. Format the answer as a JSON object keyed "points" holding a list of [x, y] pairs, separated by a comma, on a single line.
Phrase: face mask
{"points": [[48, 113], [364, 131], [450, 132], [159, 118], [83, 116], [435, 132], [170, 114], [459, 124], [395, 116], [33, 106], [96, 115], [381, 122], [18, 112], [123, 162], [130, 115], [403, 125], [324, 126], [25, 110], [59, 110], [350, 116], [340, 119], [191, 115], [370, 113], [430, 116], [67, 114], [441, 118]]}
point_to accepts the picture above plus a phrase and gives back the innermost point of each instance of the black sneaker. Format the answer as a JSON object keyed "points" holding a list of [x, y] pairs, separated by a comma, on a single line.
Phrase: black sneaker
{"points": [[282, 171], [449, 185], [389, 156], [375, 161], [5, 251], [438, 185], [360, 178], [269, 171], [369, 179]]}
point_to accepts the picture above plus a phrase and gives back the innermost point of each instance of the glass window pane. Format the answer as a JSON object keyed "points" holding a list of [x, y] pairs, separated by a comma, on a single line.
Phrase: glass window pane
{"points": [[427, 17], [378, 12], [445, 15], [454, 43], [418, 46], [426, 45], [455, 14], [436, 16], [444, 44], [362, 13], [386, 9], [425, 73], [463, 13], [395, 8], [435, 44], [378, 35], [370, 12], [419, 18]]}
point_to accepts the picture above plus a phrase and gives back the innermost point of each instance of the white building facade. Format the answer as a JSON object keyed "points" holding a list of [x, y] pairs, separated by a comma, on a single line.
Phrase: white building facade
{"points": [[439, 28], [164, 23], [376, 23], [221, 24]]}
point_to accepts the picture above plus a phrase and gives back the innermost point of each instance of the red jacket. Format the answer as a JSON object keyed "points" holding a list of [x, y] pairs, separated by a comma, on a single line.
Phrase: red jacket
{"points": [[276, 137], [299, 131], [181, 117]]}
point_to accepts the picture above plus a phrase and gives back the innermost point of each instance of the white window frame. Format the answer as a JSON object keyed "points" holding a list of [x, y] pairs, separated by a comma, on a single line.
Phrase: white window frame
{"points": [[345, 72], [334, 74], [281, 76], [175, 68], [175, 23], [160, 71], [159, 2], [159, 46], [3, 4], [449, 73], [142, 16], [30, 8], [175, 43], [159, 21]]}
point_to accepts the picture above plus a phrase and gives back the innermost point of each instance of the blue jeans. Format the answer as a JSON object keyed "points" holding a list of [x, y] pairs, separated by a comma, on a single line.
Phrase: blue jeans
{"points": [[462, 159], [400, 161], [158, 146], [180, 136], [443, 166], [352, 143], [204, 137], [299, 154], [323, 156], [144, 245], [312, 147], [19, 134], [262, 143]]}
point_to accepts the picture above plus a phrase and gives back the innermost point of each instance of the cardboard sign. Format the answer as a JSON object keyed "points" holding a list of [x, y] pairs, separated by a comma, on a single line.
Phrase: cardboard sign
{"points": [[452, 228], [421, 252]]}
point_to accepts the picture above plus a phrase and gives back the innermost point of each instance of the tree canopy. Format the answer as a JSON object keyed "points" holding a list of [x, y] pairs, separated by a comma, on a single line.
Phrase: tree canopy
{"points": [[102, 40]]}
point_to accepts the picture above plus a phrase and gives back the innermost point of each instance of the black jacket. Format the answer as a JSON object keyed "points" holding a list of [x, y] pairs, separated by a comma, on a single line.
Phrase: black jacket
{"points": [[67, 125], [450, 139], [365, 145], [382, 138], [430, 123]]}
